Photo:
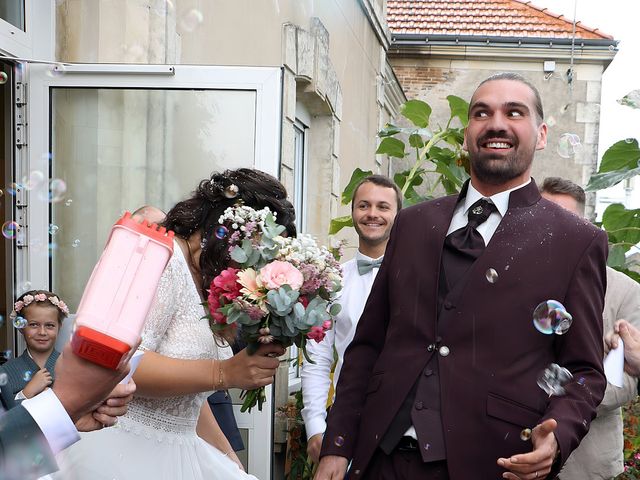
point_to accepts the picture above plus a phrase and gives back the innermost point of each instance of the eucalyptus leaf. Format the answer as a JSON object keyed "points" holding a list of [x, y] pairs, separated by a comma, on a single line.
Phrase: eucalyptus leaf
{"points": [[335, 309], [417, 112], [622, 155], [238, 255], [599, 181], [339, 223], [356, 177], [459, 109], [391, 146]]}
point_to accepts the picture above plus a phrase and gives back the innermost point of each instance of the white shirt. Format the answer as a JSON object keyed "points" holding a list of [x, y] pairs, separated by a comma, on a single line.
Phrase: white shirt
{"points": [[315, 377], [53, 420], [487, 228]]}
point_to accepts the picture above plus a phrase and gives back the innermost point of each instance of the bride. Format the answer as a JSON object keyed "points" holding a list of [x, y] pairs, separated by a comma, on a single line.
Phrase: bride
{"points": [[169, 431]]}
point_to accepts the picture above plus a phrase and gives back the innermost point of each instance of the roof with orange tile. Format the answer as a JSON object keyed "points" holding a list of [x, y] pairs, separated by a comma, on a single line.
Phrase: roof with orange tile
{"points": [[488, 18]]}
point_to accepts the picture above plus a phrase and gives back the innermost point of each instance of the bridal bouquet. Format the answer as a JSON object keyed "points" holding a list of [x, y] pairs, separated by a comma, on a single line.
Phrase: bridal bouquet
{"points": [[280, 289]]}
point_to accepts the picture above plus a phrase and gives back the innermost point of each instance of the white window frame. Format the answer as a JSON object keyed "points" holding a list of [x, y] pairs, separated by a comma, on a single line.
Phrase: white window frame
{"points": [[264, 81], [37, 40]]}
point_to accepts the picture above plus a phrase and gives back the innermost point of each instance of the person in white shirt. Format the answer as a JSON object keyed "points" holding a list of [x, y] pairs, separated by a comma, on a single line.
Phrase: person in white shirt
{"points": [[374, 205]]}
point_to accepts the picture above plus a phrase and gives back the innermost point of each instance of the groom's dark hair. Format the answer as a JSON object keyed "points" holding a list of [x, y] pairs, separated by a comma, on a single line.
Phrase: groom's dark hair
{"points": [[381, 181]]}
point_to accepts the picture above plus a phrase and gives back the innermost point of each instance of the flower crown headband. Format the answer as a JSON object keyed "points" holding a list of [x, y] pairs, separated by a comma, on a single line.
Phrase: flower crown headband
{"points": [[38, 297]]}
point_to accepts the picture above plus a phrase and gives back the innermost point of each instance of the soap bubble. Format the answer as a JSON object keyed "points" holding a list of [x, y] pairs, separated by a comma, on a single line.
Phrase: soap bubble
{"points": [[569, 145], [221, 232], [57, 189], [19, 322], [4, 378], [27, 376], [339, 441], [10, 229], [551, 317], [3, 78], [26, 286], [553, 379], [191, 20], [76, 243], [53, 229], [68, 202], [525, 434], [551, 121], [36, 178]]}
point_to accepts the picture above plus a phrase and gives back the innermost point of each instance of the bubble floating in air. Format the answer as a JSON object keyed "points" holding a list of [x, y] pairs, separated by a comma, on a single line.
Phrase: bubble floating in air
{"points": [[551, 317], [553, 379], [569, 145]]}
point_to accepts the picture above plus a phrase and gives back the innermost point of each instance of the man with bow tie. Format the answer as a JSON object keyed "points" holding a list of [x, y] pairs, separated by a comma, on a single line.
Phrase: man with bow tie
{"points": [[374, 205], [441, 378]]}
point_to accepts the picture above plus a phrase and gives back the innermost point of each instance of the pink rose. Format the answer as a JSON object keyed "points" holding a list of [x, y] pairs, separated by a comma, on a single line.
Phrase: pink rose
{"points": [[326, 325], [278, 273], [316, 333]]}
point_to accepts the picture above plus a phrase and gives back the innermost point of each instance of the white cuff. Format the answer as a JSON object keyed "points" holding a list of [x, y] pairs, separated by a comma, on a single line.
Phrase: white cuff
{"points": [[53, 420], [314, 426], [20, 396]]}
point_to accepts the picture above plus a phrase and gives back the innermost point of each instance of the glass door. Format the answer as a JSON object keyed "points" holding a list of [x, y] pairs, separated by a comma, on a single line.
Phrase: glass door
{"points": [[104, 139]]}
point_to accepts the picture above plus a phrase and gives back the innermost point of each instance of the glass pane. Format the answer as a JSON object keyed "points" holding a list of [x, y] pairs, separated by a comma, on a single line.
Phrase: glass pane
{"points": [[118, 149], [12, 11]]}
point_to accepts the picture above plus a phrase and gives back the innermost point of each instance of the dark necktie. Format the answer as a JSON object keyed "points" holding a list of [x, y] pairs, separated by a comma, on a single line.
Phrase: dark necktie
{"points": [[464, 245]]}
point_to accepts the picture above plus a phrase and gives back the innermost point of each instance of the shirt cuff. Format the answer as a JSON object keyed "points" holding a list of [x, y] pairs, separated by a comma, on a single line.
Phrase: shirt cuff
{"points": [[53, 420], [315, 426], [20, 396]]}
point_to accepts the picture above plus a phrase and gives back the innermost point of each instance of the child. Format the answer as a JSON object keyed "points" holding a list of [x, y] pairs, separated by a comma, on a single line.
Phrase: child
{"points": [[38, 314]]}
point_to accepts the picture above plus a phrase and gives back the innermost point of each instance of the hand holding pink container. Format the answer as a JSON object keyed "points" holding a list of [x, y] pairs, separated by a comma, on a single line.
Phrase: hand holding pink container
{"points": [[119, 293]]}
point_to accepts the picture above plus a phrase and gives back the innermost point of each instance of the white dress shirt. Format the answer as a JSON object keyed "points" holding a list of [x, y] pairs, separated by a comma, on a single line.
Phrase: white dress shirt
{"points": [[315, 377], [54, 421], [487, 228]]}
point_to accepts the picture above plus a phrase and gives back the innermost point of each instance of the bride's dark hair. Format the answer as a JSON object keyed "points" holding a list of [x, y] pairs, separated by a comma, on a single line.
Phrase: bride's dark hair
{"points": [[209, 201]]}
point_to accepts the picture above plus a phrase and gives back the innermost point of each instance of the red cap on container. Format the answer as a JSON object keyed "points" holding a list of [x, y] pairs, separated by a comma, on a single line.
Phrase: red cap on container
{"points": [[98, 348]]}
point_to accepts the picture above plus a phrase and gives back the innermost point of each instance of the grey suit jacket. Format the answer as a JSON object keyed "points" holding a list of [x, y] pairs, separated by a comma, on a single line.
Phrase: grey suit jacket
{"points": [[24, 451], [600, 454]]}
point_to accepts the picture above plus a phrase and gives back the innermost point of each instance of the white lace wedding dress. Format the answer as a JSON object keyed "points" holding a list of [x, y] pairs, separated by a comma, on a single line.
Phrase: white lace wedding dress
{"points": [[157, 438]]}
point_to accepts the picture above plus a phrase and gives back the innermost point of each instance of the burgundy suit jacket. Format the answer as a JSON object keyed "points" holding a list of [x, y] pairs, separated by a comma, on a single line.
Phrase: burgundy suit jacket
{"points": [[488, 382]]}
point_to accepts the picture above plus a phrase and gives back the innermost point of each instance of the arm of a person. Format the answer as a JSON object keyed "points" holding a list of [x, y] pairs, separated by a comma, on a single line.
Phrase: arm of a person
{"points": [[581, 350], [628, 309], [25, 450], [209, 430], [161, 376], [316, 382], [359, 360]]}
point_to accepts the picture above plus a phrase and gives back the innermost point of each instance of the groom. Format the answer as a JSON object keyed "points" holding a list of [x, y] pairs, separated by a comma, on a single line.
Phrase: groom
{"points": [[440, 380]]}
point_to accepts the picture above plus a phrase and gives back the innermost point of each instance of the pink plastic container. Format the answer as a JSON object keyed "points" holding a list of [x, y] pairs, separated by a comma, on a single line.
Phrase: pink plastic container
{"points": [[117, 298]]}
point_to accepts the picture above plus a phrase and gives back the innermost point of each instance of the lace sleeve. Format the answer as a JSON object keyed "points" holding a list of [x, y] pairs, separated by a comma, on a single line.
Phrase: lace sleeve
{"points": [[162, 309]]}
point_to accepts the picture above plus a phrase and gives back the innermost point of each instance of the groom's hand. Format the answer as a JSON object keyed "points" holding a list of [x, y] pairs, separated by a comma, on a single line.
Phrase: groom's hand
{"points": [[538, 463], [332, 467]]}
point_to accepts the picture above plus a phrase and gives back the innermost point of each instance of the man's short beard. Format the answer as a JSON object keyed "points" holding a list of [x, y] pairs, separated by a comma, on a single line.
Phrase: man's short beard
{"points": [[498, 171]]}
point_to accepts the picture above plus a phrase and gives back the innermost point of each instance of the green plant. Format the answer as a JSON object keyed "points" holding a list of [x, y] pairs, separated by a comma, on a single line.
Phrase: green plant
{"points": [[631, 415], [619, 163], [439, 158]]}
